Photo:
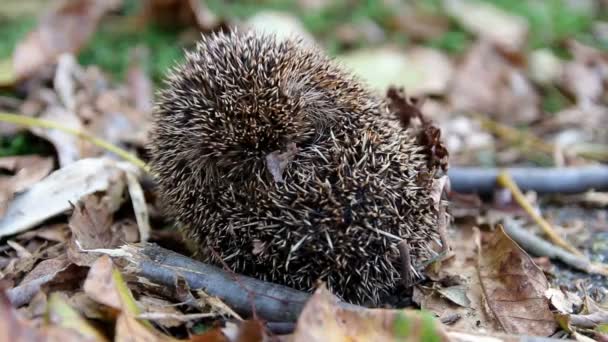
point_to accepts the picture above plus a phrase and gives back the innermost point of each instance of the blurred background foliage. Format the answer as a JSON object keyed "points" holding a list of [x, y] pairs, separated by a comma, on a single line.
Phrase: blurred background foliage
{"points": [[551, 21]]}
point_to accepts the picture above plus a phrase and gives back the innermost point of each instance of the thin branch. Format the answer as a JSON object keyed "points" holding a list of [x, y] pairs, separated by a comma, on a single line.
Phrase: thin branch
{"points": [[406, 264], [532, 143], [505, 180], [159, 316], [33, 122], [590, 321], [565, 180], [539, 247], [272, 302]]}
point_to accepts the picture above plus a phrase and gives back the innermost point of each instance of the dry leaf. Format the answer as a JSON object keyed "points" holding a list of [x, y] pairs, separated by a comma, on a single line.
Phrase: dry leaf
{"points": [[64, 316], [58, 232], [563, 301], [180, 13], [139, 207], [544, 66], [92, 225], [456, 294], [513, 286], [419, 70], [15, 328], [46, 268], [69, 148], [594, 125], [489, 22], [129, 329], [421, 24], [26, 171], [105, 285], [212, 335], [54, 194], [50, 274], [323, 320], [284, 25], [12, 327], [100, 285], [140, 85], [276, 162], [153, 305], [488, 83], [586, 74], [66, 28], [459, 270]]}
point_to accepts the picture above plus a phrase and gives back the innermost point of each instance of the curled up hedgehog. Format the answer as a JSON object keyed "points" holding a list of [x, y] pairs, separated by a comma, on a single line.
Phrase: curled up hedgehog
{"points": [[272, 158]]}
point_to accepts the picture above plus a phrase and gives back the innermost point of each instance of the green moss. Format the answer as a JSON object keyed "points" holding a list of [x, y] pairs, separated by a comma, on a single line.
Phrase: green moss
{"points": [[12, 31], [553, 100], [110, 48], [22, 144], [551, 21], [452, 42]]}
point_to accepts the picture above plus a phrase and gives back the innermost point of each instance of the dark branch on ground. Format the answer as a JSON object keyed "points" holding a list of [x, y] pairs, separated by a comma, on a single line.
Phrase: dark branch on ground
{"points": [[567, 180], [539, 247], [272, 302]]}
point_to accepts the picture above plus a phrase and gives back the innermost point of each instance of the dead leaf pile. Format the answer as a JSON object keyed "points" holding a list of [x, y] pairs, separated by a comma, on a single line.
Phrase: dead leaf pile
{"points": [[72, 222]]}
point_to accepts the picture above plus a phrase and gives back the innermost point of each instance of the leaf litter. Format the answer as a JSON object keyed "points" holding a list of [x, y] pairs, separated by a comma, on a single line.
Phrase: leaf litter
{"points": [[66, 218]]}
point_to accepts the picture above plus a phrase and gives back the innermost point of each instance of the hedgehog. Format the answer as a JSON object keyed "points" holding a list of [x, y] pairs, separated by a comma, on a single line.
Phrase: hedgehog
{"points": [[279, 164]]}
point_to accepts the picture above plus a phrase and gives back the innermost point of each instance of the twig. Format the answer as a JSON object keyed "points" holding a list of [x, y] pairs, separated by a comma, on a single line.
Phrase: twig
{"points": [[590, 321], [567, 180], [272, 302], [33, 122], [158, 316], [281, 328], [460, 336], [539, 247], [406, 264], [23, 294], [505, 180], [514, 135]]}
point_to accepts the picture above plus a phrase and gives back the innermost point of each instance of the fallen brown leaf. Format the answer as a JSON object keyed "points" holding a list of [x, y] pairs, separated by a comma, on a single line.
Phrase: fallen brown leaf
{"points": [[277, 161], [92, 226], [586, 74], [420, 70], [100, 285], [141, 88], [15, 328], [180, 13], [408, 111], [488, 83], [26, 170], [149, 304], [54, 194], [211, 335], [18, 267], [61, 315], [48, 275], [489, 22], [421, 24], [459, 270], [322, 320], [12, 327], [129, 329], [66, 28], [513, 286], [58, 232], [563, 301]]}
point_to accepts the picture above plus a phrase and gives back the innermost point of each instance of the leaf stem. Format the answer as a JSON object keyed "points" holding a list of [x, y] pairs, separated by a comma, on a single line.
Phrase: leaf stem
{"points": [[504, 179], [27, 121]]}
